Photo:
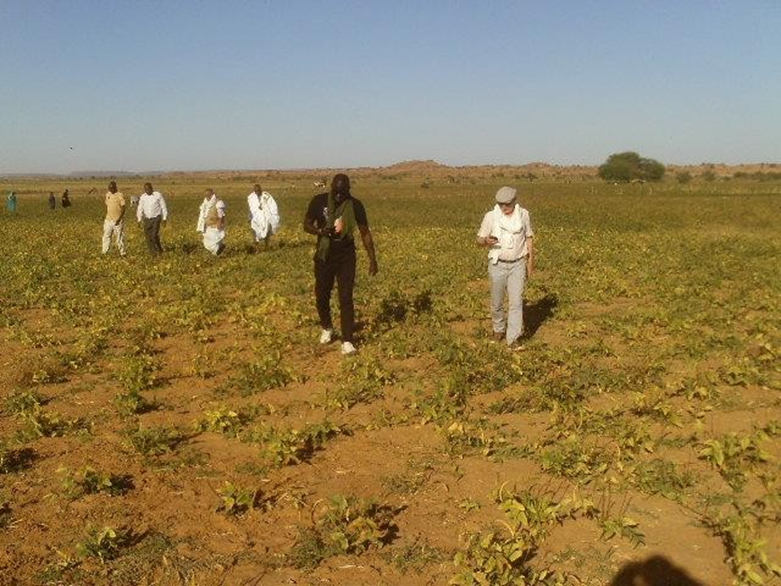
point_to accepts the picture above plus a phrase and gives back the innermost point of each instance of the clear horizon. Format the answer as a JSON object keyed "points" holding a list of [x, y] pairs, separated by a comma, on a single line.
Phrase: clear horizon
{"points": [[232, 86]]}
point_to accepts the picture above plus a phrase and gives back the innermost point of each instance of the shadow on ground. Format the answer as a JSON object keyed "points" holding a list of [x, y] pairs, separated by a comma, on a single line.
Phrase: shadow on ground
{"points": [[655, 571], [537, 313]]}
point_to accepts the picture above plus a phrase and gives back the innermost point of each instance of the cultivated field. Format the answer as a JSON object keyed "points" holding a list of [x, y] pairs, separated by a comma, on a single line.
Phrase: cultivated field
{"points": [[175, 421]]}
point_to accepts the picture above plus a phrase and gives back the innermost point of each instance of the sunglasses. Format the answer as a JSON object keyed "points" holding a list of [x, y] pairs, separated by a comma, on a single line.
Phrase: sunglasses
{"points": [[509, 204]]}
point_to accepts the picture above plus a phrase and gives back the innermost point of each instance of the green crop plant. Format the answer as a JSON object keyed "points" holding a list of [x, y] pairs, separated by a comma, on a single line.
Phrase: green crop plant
{"points": [[746, 550], [138, 373], [103, 544], [41, 423], [263, 374], [285, 447], [735, 456], [154, 441], [23, 402], [222, 420], [663, 477], [133, 403], [363, 381], [342, 525], [235, 500], [503, 557], [575, 459], [88, 480]]}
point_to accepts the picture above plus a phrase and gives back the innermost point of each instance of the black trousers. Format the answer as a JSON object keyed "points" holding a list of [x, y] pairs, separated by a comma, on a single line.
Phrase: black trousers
{"points": [[340, 268], [152, 234]]}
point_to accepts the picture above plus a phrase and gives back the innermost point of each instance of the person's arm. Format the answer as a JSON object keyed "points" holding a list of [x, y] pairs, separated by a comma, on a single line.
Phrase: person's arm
{"points": [[309, 221], [484, 237], [368, 244], [529, 245], [140, 210], [221, 215], [121, 214], [164, 207], [487, 241], [310, 228]]}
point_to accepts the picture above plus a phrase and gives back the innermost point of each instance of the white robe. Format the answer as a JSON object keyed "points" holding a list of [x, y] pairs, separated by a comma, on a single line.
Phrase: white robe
{"points": [[264, 215], [212, 237]]}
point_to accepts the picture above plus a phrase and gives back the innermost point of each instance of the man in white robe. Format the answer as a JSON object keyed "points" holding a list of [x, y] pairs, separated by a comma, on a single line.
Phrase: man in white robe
{"points": [[263, 215], [211, 222]]}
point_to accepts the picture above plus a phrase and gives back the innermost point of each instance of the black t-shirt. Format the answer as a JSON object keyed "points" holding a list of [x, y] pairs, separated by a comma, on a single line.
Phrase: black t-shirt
{"points": [[318, 208]]}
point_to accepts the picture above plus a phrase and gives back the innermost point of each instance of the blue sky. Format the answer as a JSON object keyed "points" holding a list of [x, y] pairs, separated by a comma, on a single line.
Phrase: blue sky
{"points": [[290, 84]]}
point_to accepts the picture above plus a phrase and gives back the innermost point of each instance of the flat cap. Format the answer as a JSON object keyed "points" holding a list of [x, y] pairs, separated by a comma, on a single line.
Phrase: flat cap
{"points": [[505, 195]]}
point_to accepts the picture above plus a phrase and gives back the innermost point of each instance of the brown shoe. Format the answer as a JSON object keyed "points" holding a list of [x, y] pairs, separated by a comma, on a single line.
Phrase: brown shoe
{"points": [[498, 336]]}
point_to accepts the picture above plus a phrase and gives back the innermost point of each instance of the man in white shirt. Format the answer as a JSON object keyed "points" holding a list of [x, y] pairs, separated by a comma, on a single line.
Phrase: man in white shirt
{"points": [[507, 233], [151, 211], [211, 222], [263, 215]]}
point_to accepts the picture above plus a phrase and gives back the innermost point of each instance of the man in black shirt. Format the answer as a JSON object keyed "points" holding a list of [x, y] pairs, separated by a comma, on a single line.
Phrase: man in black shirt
{"points": [[334, 217]]}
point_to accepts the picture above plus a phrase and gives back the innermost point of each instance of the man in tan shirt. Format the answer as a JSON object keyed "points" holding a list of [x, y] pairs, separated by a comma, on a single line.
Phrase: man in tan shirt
{"points": [[113, 224]]}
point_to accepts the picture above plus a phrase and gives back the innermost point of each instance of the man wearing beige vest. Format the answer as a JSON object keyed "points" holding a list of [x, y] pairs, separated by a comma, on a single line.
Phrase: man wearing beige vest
{"points": [[211, 222], [114, 225]]}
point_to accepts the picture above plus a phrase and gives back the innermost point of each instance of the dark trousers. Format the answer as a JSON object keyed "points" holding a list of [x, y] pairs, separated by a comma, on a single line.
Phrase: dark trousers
{"points": [[342, 269], [152, 234]]}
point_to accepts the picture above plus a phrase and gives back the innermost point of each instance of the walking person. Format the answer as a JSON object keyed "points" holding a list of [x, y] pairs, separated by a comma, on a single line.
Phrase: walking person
{"points": [[335, 218], [263, 215], [66, 200], [152, 211], [211, 222], [114, 224], [507, 232], [10, 202], [52, 201]]}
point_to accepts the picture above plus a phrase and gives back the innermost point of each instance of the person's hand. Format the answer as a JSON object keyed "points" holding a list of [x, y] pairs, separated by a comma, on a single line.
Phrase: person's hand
{"points": [[492, 240], [530, 267], [373, 267]]}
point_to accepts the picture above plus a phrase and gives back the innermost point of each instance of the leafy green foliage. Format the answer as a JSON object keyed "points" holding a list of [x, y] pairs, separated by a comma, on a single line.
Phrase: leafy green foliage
{"points": [[263, 374], [103, 544], [628, 166], [733, 456], [236, 500], [154, 441], [347, 525], [285, 447], [88, 480]]}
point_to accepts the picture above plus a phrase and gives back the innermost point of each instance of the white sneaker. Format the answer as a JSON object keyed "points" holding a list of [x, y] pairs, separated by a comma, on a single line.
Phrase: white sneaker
{"points": [[326, 336], [348, 348]]}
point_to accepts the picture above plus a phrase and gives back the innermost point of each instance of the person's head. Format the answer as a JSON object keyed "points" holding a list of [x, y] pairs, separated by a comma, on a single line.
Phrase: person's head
{"points": [[340, 185], [65, 192], [148, 188], [112, 186], [506, 199], [258, 189], [207, 193], [51, 194]]}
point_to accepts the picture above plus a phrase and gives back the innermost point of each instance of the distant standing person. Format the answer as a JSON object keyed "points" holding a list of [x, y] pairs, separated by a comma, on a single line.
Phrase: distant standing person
{"points": [[264, 215], [66, 200], [10, 202], [52, 201], [211, 222], [507, 233], [334, 218], [152, 211], [114, 225]]}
